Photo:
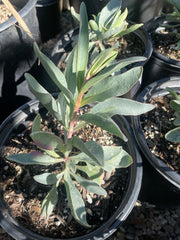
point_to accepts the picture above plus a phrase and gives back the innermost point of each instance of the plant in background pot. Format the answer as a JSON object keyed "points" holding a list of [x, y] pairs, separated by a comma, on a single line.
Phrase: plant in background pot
{"points": [[151, 133], [109, 28], [165, 34], [174, 134], [69, 167]]}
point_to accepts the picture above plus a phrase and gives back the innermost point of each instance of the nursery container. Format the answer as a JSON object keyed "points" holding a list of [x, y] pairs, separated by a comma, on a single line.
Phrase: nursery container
{"points": [[16, 123], [48, 13], [161, 184]]}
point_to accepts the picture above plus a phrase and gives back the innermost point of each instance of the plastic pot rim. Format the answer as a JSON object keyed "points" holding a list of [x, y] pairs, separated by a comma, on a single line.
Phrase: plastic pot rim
{"points": [[23, 12], [104, 231], [46, 3], [143, 96]]}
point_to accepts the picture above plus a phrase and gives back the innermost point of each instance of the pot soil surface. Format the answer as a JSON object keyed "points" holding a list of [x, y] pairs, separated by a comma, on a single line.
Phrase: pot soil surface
{"points": [[23, 196], [166, 44], [155, 125]]}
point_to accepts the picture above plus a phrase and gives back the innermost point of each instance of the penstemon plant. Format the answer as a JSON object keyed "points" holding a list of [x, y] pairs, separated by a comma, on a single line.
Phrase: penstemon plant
{"points": [[174, 134], [108, 26], [81, 84]]}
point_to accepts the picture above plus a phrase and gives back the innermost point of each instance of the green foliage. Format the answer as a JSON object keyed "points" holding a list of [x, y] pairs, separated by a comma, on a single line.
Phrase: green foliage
{"points": [[109, 25], [81, 84], [174, 18], [174, 134], [175, 15]]}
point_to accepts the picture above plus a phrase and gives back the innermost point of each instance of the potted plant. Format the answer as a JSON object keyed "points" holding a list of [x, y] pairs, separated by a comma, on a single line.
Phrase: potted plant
{"points": [[104, 34], [16, 55], [153, 132], [164, 31], [65, 163], [173, 134]]}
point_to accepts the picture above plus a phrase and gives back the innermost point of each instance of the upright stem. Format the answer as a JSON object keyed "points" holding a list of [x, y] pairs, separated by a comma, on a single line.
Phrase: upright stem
{"points": [[74, 117]]}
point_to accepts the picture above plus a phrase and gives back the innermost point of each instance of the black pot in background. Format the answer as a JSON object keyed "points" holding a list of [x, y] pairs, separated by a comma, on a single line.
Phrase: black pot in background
{"points": [[16, 55], [17, 123], [48, 13], [161, 185], [158, 66], [141, 11], [65, 45]]}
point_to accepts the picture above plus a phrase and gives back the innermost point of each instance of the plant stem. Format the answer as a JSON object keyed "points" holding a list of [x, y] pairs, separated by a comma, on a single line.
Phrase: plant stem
{"points": [[74, 117]]}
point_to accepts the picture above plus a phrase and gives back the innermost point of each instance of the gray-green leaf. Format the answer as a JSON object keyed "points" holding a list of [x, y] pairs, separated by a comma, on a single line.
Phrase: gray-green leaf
{"points": [[89, 185], [48, 178], [173, 135], [33, 158], [48, 141], [43, 96], [75, 200], [105, 122], [49, 202], [116, 157], [36, 124], [113, 86], [91, 148], [121, 106]]}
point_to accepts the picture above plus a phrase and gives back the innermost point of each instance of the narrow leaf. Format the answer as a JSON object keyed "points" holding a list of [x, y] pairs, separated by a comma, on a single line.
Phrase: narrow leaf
{"points": [[129, 30], [49, 202], [95, 173], [48, 141], [43, 96], [173, 135], [33, 158], [54, 72], [89, 185], [116, 157], [107, 12], [91, 148], [121, 106], [48, 178], [75, 200], [75, 15], [105, 122], [36, 123], [70, 72], [173, 93], [83, 44], [101, 61], [106, 72], [113, 86], [175, 104]]}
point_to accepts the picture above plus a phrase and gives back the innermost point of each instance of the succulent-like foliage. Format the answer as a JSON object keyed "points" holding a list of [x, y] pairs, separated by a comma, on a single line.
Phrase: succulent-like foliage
{"points": [[174, 134], [81, 84]]}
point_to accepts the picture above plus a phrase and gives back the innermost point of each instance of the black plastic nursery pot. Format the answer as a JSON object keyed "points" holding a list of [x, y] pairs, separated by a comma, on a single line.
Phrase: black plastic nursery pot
{"points": [[161, 185], [159, 66], [142, 10], [17, 123], [16, 53], [48, 13], [65, 45]]}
